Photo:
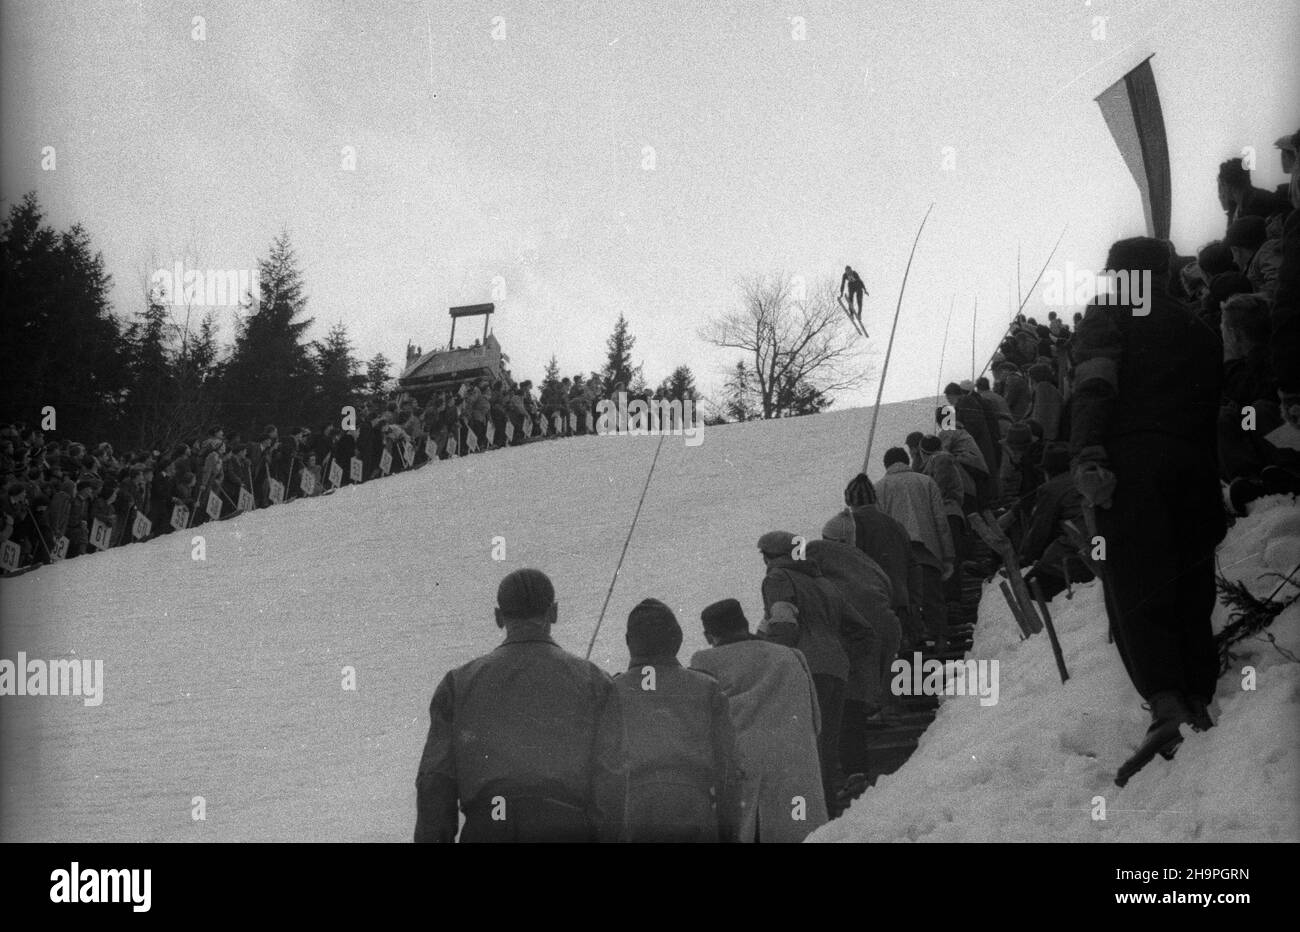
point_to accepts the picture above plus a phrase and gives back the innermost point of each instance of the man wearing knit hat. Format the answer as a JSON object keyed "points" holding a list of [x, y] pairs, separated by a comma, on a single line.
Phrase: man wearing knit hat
{"points": [[528, 739], [1143, 422], [683, 781], [804, 610], [773, 704], [871, 649], [885, 541]]}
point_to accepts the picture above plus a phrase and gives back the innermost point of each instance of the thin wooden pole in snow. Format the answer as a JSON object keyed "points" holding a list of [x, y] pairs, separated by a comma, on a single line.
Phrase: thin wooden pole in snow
{"points": [[1029, 293], [973, 319], [632, 527], [875, 413], [943, 350]]}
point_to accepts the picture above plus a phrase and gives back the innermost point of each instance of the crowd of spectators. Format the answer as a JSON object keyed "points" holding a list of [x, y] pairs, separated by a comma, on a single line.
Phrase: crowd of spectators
{"points": [[62, 499]]}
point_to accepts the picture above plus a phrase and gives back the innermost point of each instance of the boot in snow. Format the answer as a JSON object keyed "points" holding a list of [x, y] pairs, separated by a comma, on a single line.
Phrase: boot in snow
{"points": [[1169, 710]]}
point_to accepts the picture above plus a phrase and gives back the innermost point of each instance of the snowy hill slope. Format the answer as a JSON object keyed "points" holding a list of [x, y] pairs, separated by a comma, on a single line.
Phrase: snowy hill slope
{"points": [[1028, 768], [223, 678]]}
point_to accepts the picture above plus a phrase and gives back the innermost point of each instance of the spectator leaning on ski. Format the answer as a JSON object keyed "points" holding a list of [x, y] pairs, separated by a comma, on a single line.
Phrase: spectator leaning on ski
{"points": [[528, 739], [1143, 416]]}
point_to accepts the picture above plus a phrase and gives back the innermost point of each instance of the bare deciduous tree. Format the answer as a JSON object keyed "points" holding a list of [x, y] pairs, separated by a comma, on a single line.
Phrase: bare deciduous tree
{"points": [[796, 346]]}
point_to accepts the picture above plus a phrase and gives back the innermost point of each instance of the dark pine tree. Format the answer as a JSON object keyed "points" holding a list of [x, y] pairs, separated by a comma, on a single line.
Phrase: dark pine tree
{"points": [[269, 376], [618, 361], [338, 377], [63, 346], [152, 399], [739, 394], [377, 370], [680, 385]]}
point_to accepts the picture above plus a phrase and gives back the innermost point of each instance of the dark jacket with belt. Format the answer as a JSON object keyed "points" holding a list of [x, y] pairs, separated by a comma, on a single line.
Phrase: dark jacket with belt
{"points": [[529, 740]]}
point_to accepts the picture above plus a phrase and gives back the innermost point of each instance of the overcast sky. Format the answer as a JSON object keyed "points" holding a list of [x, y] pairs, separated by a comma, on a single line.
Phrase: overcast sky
{"points": [[526, 156]]}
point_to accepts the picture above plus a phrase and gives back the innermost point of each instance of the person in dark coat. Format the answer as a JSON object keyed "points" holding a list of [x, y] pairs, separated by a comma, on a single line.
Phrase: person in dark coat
{"points": [[871, 651], [887, 542], [683, 783], [1143, 437], [982, 424], [804, 610], [1285, 339], [773, 705], [527, 740], [1248, 383], [1046, 545], [1013, 388]]}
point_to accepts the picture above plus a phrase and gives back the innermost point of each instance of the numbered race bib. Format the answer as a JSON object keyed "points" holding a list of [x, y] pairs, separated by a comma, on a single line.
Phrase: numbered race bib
{"points": [[528, 427], [408, 454], [336, 475], [357, 470], [180, 517], [214, 506], [100, 535], [276, 491], [559, 423], [60, 551], [10, 554], [471, 442], [308, 482], [510, 432], [586, 419], [385, 463], [451, 446], [430, 449], [490, 433], [141, 527], [246, 502]]}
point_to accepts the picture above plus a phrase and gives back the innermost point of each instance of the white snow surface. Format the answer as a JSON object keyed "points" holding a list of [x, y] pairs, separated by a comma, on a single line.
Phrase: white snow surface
{"points": [[1031, 767], [223, 677]]}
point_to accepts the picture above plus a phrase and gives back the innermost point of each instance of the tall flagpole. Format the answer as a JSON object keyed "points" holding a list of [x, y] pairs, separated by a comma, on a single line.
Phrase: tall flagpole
{"points": [[943, 350], [973, 320], [875, 414]]}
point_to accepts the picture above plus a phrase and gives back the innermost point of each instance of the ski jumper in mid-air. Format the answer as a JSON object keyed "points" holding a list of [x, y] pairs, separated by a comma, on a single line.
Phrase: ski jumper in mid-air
{"points": [[851, 282]]}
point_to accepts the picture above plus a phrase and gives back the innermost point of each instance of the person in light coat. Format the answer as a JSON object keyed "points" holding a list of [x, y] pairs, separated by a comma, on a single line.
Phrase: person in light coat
{"points": [[914, 501], [773, 706]]}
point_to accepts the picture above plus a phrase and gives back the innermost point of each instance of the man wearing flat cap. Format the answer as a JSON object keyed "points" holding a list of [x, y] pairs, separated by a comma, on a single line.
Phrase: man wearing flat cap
{"points": [[683, 782], [773, 705], [527, 741]]}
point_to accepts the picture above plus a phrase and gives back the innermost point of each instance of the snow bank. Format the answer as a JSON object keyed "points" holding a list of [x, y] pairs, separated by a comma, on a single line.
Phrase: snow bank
{"points": [[1030, 767]]}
